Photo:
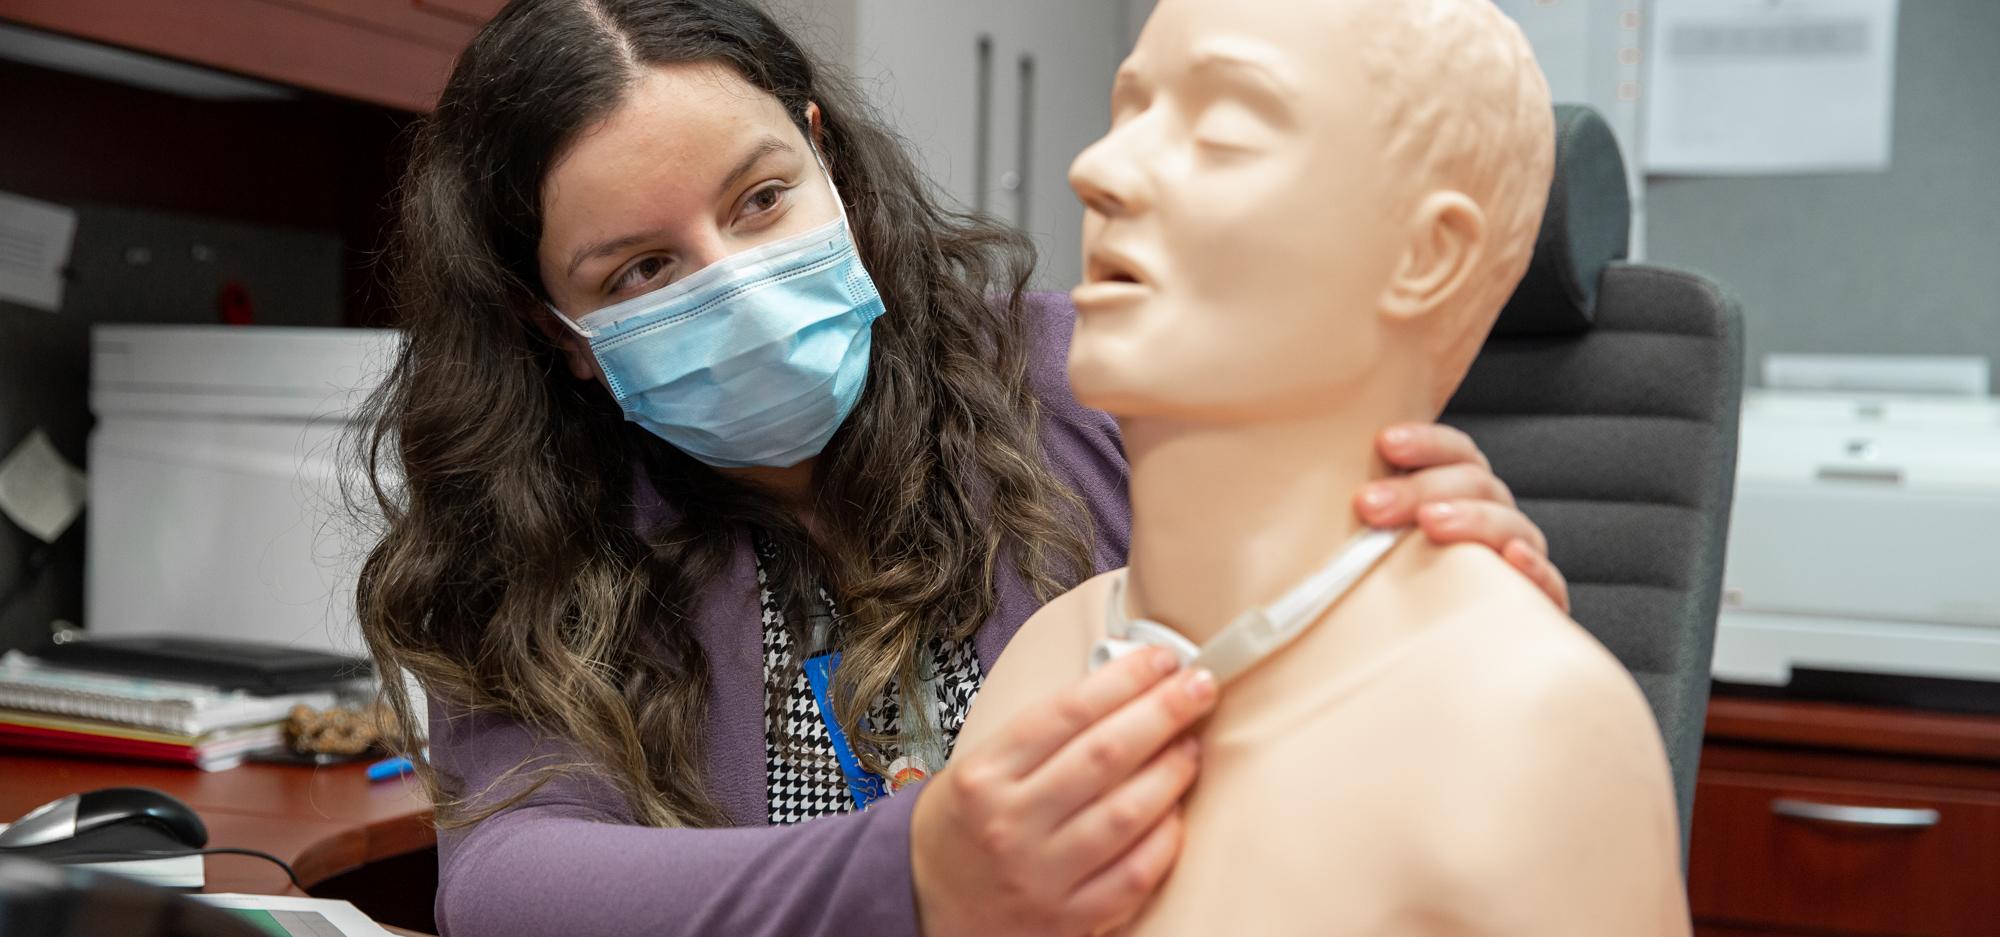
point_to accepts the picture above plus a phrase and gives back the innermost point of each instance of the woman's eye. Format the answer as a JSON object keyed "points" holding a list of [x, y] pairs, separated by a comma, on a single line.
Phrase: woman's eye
{"points": [[640, 274], [764, 200]]}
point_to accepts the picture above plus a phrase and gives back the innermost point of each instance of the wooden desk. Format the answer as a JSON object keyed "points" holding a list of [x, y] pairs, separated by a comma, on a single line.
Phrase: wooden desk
{"points": [[325, 821]]}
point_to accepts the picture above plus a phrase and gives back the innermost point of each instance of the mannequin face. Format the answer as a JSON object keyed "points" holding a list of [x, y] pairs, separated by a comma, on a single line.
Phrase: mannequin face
{"points": [[1242, 226]]}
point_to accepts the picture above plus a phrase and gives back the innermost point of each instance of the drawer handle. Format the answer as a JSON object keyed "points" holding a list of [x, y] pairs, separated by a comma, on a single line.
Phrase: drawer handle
{"points": [[1901, 818]]}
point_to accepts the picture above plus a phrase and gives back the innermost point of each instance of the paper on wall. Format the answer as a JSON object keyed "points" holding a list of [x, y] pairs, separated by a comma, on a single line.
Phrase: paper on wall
{"points": [[35, 241], [39, 489], [1769, 86]]}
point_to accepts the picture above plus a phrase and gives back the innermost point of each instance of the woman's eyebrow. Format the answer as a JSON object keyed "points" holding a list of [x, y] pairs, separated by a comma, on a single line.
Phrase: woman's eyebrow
{"points": [[762, 148], [606, 248]]}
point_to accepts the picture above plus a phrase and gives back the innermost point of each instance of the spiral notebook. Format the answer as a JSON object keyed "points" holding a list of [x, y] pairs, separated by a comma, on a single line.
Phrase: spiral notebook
{"points": [[189, 709]]}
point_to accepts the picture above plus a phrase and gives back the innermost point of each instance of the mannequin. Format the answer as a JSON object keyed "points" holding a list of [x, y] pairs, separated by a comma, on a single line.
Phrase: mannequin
{"points": [[1304, 220]]}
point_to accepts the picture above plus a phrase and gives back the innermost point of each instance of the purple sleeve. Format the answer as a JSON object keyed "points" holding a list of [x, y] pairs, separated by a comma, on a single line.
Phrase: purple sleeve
{"points": [[1082, 443], [568, 860]]}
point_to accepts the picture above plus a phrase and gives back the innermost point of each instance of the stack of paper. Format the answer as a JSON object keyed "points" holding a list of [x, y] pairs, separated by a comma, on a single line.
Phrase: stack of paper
{"points": [[298, 917], [51, 708]]}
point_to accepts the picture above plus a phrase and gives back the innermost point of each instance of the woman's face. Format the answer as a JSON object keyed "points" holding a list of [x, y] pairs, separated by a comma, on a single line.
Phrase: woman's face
{"points": [[696, 164]]}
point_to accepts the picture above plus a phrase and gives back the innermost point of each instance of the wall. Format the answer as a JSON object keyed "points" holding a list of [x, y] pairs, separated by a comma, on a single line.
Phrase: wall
{"points": [[916, 64], [1588, 51], [1906, 261]]}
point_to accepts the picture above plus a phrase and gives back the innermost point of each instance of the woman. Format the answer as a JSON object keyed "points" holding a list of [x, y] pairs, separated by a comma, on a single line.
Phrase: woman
{"points": [[651, 649]]}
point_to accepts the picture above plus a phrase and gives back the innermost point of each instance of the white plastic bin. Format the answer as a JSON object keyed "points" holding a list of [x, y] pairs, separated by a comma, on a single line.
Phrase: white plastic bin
{"points": [[215, 507]]}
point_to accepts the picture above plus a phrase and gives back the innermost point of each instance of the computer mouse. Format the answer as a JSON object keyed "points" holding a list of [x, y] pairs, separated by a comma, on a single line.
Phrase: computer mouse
{"points": [[102, 823]]}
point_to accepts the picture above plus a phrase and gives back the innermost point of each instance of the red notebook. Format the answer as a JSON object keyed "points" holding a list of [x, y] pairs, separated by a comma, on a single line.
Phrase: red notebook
{"points": [[57, 740], [212, 751]]}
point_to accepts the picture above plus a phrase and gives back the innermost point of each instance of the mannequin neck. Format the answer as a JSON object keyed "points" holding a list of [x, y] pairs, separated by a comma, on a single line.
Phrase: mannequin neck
{"points": [[1227, 516]]}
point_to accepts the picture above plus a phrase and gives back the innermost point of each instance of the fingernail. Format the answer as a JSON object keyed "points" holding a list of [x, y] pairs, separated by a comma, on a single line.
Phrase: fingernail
{"points": [[1164, 661], [1397, 436], [1201, 686], [1440, 513], [1377, 497]]}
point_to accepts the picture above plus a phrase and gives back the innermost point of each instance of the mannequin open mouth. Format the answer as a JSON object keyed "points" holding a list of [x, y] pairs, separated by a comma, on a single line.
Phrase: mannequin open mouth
{"points": [[1108, 280]]}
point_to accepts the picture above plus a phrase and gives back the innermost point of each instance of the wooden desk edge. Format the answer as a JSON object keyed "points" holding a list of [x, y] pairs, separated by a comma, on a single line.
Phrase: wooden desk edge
{"points": [[1854, 728]]}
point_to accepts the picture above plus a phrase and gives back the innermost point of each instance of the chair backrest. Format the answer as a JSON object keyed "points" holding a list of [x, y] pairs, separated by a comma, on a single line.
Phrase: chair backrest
{"points": [[1607, 398]]}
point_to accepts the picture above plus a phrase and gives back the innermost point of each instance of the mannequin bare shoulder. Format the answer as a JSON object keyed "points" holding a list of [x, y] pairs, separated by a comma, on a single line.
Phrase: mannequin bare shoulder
{"points": [[1445, 754], [1544, 805], [1047, 654]]}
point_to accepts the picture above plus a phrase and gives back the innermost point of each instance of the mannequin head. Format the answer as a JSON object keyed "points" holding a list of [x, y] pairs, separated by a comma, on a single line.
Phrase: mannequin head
{"points": [[1299, 200]]}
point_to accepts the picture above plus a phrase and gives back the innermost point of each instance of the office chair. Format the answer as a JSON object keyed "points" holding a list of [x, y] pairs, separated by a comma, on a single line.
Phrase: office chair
{"points": [[38, 899], [1607, 398]]}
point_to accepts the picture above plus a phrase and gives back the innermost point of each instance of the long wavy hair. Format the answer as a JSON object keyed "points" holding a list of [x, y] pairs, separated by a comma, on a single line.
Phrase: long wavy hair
{"points": [[513, 575]]}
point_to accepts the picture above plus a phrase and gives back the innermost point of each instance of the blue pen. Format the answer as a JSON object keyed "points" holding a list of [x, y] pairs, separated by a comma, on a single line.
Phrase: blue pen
{"points": [[390, 768]]}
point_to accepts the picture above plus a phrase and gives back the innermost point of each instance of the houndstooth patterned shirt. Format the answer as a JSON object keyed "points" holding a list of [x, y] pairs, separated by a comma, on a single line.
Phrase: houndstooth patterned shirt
{"points": [[802, 774]]}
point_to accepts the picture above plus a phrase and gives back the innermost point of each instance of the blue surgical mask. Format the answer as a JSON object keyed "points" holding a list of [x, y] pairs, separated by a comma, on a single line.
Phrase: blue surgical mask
{"points": [[756, 359]]}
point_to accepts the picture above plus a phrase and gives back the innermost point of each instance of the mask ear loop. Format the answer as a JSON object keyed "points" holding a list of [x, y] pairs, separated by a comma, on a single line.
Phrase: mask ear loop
{"points": [[838, 202], [572, 324]]}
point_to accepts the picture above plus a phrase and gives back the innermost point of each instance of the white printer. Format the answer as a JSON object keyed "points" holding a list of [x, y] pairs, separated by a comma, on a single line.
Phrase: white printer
{"points": [[1865, 537]]}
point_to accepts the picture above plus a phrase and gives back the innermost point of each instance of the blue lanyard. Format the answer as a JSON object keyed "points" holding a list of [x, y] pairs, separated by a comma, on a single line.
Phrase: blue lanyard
{"points": [[864, 787]]}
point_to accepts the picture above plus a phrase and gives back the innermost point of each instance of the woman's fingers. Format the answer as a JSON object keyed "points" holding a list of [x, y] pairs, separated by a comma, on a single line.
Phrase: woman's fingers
{"points": [[1483, 522], [1113, 823], [1452, 493], [1039, 732], [984, 850], [1393, 501], [1539, 570], [1115, 747], [1414, 446], [1113, 896]]}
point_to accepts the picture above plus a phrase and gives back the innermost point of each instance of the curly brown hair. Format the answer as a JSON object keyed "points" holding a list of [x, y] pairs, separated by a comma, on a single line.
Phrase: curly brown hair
{"points": [[512, 576]]}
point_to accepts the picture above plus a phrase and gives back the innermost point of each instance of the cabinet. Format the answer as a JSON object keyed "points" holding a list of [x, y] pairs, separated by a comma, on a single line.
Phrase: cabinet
{"points": [[995, 98], [1820, 819], [392, 52]]}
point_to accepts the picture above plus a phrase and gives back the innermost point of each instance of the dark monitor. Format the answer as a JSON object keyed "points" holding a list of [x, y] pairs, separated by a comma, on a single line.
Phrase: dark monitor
{"points": [[38, 899]]}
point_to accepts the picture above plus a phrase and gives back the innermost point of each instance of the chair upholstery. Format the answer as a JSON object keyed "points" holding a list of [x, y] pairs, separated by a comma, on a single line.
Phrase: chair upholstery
{"points": [[1613, 418]]}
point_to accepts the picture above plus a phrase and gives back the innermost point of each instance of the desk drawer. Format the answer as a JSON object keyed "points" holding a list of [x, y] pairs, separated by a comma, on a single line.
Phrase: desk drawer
{"points": [[1844, 858]]}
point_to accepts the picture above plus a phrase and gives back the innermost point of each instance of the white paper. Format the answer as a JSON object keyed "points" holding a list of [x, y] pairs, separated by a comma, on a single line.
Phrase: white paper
{"points": [[1770, 86], [39, 489], [35, 240], [304, 917]]}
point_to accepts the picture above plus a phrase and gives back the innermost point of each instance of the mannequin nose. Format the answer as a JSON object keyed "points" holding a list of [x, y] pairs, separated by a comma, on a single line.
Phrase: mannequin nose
{"points": [[1106, 182]]}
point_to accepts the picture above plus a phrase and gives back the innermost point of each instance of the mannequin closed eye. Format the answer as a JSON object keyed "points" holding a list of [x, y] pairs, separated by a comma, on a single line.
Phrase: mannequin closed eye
{"points": [[1229, 125], [1244, 79]]}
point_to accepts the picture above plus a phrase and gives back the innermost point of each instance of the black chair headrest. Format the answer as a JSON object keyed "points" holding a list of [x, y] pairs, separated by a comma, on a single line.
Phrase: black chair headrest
{"points": [[1587, 226]]}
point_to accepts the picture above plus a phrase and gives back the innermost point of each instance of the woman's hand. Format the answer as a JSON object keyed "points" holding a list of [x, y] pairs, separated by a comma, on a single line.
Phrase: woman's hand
{"points": [[1452, 493], [1066, 820]]}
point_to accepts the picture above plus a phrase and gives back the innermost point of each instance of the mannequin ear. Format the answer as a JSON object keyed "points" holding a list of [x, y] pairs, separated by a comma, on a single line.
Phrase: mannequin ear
{"points": [[1447, 240]]}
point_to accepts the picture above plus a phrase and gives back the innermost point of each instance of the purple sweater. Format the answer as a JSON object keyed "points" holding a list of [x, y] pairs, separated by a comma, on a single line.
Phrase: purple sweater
{"points": [[569, 859]]}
